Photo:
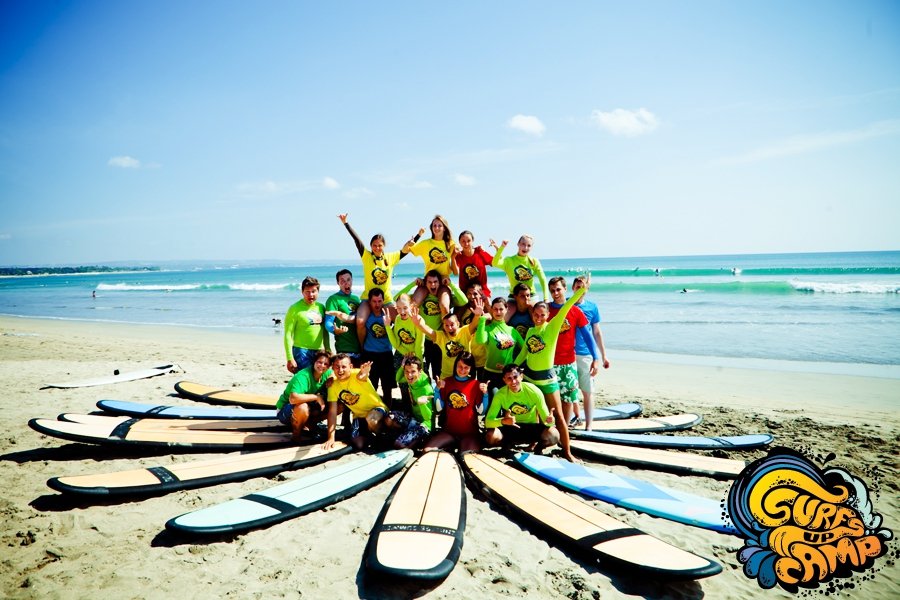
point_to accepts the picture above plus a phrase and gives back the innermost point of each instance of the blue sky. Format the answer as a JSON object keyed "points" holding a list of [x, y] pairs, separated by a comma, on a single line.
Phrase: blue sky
{"points": [[142, 131]]}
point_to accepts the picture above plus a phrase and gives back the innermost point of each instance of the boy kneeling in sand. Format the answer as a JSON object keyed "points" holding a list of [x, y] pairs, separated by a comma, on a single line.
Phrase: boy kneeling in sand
{"points": [[525, 420], [352, 388], [303, 401]]}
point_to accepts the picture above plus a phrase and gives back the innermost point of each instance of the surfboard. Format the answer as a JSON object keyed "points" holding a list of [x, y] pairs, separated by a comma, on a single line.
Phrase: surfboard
{"points": [[640, 425], [159, 411], [734, 442], [121, 377], [292, 499], [419, 533], [121, 434], [582, 526], [660, 460], [213, 395], [137, 424], [626, 492], [198, 473], [618, 411]]}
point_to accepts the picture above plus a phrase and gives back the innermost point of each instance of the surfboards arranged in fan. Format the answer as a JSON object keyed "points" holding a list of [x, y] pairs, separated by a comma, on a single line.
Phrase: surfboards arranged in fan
{"points": [[116, 377], [581, 526], [419, 533], [162, 411], [618, 411], [628, 492], [214, 395], [288, 500], [197, 473], [660, 460], [122, 433], [695, 442]]}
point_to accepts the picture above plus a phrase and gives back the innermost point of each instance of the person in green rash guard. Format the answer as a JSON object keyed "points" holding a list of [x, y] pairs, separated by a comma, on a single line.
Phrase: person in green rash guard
{"points": [[416, 386], [378, 267], [537, 356], [304, 328], [303, 400], [521, 268], [344, 302], [518, 414], [429, 310], [501, 344]]}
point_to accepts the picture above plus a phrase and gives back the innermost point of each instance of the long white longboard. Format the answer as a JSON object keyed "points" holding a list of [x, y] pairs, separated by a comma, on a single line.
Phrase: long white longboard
{"points": [[116, 378]]}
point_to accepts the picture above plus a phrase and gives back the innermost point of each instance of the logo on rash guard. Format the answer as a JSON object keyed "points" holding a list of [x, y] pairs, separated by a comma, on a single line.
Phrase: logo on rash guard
{"points": [[453, 348], [348, 397], [521, 330], [518, 409], [458, 400], [535, 344], [431, 308], [437, 256], [314, 318], [523, 274], [378, 330], [565, 326], [504, 341], [406, 337], [472, 272], [379, 276], [351, 308]]}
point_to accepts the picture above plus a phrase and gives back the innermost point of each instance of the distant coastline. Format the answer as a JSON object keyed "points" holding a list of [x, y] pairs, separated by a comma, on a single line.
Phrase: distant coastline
{"points": [[86, 270]]}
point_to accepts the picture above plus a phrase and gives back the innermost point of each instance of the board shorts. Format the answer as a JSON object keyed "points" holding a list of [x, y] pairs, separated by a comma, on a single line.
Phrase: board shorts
{"points": [[303, 357], [525, 433], [544, 380], [412, 435], [567, 376], [585, 381], [286, 412], [359, 427]]}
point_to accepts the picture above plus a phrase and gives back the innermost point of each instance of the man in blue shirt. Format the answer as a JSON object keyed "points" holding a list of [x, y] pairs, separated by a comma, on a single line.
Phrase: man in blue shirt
{"points": [[585, 362]]}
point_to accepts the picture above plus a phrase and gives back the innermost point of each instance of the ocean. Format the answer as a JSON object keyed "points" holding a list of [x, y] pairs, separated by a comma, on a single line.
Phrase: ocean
{"points": [[835, 312]]}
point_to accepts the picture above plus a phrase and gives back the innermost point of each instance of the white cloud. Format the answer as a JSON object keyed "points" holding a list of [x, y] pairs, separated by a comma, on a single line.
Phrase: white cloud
{"points": [[124, 162], [330, 184], [527, 124], [256, 189], [803, 144], [419, 185], [628, 123], [464, 180]]}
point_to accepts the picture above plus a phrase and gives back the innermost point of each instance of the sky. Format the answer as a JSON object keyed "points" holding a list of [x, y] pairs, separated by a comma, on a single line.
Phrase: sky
{"points": [[168, 130]]}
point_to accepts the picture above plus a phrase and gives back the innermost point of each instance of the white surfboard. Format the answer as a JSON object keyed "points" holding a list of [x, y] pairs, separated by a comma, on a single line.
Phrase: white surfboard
{"points": [[117, 378]]}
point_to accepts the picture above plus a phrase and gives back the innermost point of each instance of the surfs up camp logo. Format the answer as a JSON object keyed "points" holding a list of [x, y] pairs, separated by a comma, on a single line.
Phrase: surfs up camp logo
{"points": [[378, 330], [453, 348], [406, 337], [803, 526], [437, 256], [523, 274], [458, 400], [379, 276], [472, 272], [504, 341], [348, 397], [535, 344]]}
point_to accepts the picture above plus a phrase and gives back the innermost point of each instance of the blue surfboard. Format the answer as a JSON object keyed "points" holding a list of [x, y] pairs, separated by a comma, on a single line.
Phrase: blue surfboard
{"points": [[159, 411], [630, 493], [696, 442], [618, 411], [295, 498]]}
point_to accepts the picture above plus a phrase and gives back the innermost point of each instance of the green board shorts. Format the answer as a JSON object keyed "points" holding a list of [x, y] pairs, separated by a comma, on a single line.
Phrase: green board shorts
{"points": [[567, 376]]}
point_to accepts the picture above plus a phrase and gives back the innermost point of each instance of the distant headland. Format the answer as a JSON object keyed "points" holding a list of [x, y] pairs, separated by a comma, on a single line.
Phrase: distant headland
{"points": [[20, 271]]}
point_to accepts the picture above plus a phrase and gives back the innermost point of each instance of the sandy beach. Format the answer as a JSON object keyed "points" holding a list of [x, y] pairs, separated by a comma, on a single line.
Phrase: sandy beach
{"points": [[54, 546]]}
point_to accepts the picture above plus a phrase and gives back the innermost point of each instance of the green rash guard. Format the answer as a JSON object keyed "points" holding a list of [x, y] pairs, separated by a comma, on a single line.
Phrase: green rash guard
{"points": [[527, 406], [521, 269], [501, 343], [406, 338], [420, 387], [346, 303], [540, 342], [304, 382], [431, 308], [304, 327]]}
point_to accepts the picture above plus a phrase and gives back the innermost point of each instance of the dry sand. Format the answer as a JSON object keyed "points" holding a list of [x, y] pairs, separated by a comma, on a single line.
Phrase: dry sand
{"points": [[53, 546]]}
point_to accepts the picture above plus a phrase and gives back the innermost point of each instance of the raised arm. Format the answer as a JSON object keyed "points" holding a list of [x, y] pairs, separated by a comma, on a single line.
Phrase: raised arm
{"points": [[360, 247]]}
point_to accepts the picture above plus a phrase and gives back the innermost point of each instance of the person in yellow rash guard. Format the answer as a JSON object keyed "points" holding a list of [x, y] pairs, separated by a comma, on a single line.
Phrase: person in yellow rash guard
{"points": [[378, 268], [438, 254], [352, 388], [537, 357], [405, 337], [521, 268], [453, 339], [304, 328], [429, 310]]}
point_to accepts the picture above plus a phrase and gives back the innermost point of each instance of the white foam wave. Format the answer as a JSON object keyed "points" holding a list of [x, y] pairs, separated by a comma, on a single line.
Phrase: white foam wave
{"points": [[862, 287]]}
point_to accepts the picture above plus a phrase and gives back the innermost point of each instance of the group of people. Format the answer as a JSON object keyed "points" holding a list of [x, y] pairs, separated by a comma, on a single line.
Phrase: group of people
{"points": [[456, 353]]}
